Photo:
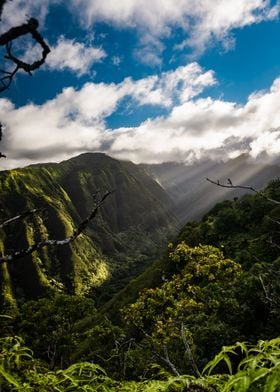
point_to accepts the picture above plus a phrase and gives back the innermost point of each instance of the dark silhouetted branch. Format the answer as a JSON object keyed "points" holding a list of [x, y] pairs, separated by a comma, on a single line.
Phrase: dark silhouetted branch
{"points": [[18, 31], [2, 2], [6, 40], [272, 243], [55, 243], [249, 188]]}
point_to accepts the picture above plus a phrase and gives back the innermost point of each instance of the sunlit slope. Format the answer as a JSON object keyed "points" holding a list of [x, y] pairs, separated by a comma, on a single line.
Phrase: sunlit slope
{"points": [[129, 231]]}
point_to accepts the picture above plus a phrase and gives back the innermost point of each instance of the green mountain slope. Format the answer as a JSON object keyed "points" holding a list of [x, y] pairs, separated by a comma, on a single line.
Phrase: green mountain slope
{"points": [[246, 229], [130, 230], [220, 278]]}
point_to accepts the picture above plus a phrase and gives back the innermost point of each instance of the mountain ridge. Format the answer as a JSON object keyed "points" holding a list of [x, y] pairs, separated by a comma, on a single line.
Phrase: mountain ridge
{"points": [[128, 232]]}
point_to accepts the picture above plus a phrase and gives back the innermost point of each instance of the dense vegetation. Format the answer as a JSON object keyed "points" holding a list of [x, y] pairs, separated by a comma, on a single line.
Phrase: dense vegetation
{"points": [[127, 234], [217, 284], [258, 370], [246, 229]]}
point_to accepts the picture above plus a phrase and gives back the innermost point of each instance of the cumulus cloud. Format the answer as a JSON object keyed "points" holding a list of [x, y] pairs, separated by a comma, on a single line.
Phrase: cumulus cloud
{"points": [[194, 128], [73, 55], [70, 123], [18, 11], [202, 22], [170, 87], [204, 128], [67, 54], [74, 121]]}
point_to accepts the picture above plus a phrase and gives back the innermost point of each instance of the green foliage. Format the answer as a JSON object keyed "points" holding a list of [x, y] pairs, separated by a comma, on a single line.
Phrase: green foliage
{"points": [[129, 231], [19, 371], [242, 228], [49, 326], [259, 370], [200, 295], [196, 299]]}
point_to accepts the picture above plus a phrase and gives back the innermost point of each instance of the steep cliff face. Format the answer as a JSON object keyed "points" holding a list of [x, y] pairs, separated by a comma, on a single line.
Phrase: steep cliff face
{"points": [[131, 228]]}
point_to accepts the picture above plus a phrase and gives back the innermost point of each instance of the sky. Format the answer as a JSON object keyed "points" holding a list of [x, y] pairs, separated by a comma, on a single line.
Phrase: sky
{"points": [[147, 81]]}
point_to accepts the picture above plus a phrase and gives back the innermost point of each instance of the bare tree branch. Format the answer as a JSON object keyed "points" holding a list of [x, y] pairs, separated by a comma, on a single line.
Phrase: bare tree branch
{"points": [[249, 188], [188, 351], [18, 31], [166, 360], [6, 40], [18, 217], [265, 290], [273, 220], [53, 243]]}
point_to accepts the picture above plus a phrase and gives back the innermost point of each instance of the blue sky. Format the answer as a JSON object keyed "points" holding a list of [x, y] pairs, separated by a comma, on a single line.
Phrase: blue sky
{"points": [[146, 81]]}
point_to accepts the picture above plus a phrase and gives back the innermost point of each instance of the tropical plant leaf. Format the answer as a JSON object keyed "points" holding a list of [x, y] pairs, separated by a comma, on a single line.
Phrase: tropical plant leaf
{"points": [[8, 377]]}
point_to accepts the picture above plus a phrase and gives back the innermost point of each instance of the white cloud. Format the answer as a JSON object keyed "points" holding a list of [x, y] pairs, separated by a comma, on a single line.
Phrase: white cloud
{"points": [[18, 11], [74, 120], [73, 55], [216, 21], [196, 127], [66, 54], [205, 128], [202, 21], [180, 85], [65, 125]]}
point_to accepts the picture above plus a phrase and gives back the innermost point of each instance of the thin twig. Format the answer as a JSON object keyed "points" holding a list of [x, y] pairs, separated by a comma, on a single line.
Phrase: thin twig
{"points": [[164, 359], [169, 363], [249, 188], [188, 351], [272, 220], [265, 290], [38, 245], [18, 217]]}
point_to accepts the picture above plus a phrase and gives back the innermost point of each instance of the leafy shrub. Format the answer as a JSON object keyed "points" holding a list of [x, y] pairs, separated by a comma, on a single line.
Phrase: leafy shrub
{"points": [[257, 371]]}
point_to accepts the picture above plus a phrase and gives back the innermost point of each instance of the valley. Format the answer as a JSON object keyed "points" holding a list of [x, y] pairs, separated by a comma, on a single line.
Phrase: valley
{"points": [[142, 277]]}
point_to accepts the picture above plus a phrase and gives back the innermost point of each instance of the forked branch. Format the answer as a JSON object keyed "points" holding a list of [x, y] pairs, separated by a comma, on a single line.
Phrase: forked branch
{"points": [[55, 243]]}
